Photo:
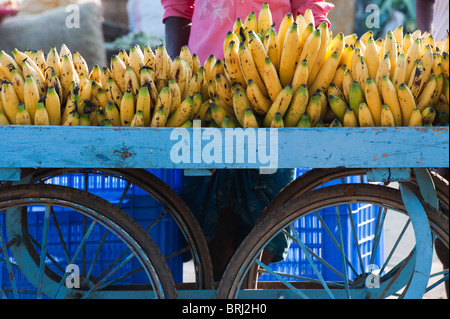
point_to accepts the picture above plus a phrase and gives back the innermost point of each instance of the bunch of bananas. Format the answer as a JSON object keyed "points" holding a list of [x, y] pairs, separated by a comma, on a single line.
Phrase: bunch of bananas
{"points": [[298, 76]]}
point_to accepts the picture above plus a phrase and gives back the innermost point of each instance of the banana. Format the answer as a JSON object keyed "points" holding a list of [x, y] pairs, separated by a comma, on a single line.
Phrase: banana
{"points": [[406, 43], [425, 98], [310, 49], [334, 90], [387, 119], [265, 20], [280, 104], [304, 35], [149, 57], [338, 106], [102, 98], [8, 63], [427, 63], [249, 120], [96, 72], [186, 55], [188, 124], [240, 104], [289, 55], [336, 123], [302, 25], [428, 114], [346, 83], [54, 81], [297, 106], [350, 119], [248, 68], [180, 74], [64, 51], [347, 55], [305, 121], [182, 113], [10, 100], [164, 101], [84, 120], [210, 61], [18, 83], [416, 82], [79, 64], [123, 55], [29, 71], [112, 114], [238, 28], [20, 57], [196, 63], [258, 51], [398, 35], [3, 119], [41, 116], [383, 70], [218, 114], [232, 64], [390, 98], [67, 74], [194, 86], [73, 119], [112, 90], [231, 36], [198, 101], [69, 109], [285, 24], [203, 110], [440, 89], [271, 47], [309, 17], [3, 76], [372, 58], [445, 63], [136, 59], [326, 74], [373, 100], [53, 62], [277, 121], [105, 74], [250, 23], [365, 116], [22, 115], [301, 75], [131, 81], [337, 45], [218, 68], [53, 106], [356, 57], [144, 105], [271, 80], [228, 122], [118, 69], [351, 39], [320, 54], [412, 56], [314, 109], [356, 96], [176, 96], [31, 96], [260, 103], [390, 46], [223, 89], [399, 76]]}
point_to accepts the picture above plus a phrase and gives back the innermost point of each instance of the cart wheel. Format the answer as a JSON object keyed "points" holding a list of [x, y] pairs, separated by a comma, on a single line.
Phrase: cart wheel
{"points": [[44, 232], [167, 202], [318, 177], [350, 268]]}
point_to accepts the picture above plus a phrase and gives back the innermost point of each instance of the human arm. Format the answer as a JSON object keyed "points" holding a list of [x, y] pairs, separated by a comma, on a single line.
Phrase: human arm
{"points": [[319, 8], [177, 19], [424, 14]]}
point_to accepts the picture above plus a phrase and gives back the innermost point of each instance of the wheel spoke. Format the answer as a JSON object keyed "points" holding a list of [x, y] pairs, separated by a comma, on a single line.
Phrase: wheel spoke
{"points": [[394, 247], [355, 237], [43, 251], [8, 265], [60, 235], [343, 257]]}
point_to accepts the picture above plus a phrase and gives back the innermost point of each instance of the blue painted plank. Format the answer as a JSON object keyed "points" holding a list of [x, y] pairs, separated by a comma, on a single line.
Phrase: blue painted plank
{"points": [[206, 148]]}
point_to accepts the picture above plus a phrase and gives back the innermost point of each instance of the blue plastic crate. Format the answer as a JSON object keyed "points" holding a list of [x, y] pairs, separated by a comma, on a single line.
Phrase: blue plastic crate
{"points": [[314, 236]]}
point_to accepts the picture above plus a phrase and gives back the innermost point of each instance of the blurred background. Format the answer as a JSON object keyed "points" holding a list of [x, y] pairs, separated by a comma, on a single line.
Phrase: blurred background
{"points": [[107, 25]]}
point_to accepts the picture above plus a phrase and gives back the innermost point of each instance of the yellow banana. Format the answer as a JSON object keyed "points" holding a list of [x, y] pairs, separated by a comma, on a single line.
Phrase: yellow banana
{"points": [[249, 120], [391, 99], [240, 104], [105, 74], [194, 86], [113, 92], [440, 88], [248, 68], [406, 43], [67, 74], [356, 57], [250, 23], [137, 60], [320, 54], [41, 116], [8, 63], [223, 89], [365, 116], [338, 106], [180, 74], [350, 119], [264, 19], [131, 82], [118, 70], [53, 62], [73, 119], [304, 35], [399, 76], [182, 113], [372, 58], [18, 83], [123, 55], [10, 100], [398, 35], [232, 64], [326, 74], [53, 106], [96, 73], [347, 56], [383, 70], [138, 119], [218, 114], [112, 114], [3, 76], [387, 119], [3, 119], [258, 51], [309, 17], [20, 57], [416, 82], [445, 63], [280, 104], [231, 36], [297, 106], [31, 96], [390, 46], [29, 71], [260, 103], [301, 75], [277, 121], [271, 80], [425, 98], [427, 63], [272, 49], [346, 84], [186, 55], [314, 109], [373, 100], [285, 24], [176, 96], [428, 114], [144, 104], [22, 116], [338, 78], [70, 107], [289, 55], [337, 45], [164, 101], [54, 81], [80, 65], [198, 101], [127, 108], [412, 56], [149, 57], [356, 97]]}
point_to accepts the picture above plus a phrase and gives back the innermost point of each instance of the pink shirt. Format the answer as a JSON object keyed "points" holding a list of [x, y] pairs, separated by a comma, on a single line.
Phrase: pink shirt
{"points": [[212, 19]]}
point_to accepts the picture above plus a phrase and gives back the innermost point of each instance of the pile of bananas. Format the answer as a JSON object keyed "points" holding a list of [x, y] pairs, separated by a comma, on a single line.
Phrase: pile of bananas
{"points": [[300, 76]]}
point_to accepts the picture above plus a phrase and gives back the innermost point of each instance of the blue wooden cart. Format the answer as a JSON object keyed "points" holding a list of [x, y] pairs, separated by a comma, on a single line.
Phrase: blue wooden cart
{"points": [[113, 255]]}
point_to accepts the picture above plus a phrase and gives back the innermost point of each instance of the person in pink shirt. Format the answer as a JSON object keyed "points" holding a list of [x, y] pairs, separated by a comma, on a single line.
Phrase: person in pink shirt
{"points": [[228, 203]]}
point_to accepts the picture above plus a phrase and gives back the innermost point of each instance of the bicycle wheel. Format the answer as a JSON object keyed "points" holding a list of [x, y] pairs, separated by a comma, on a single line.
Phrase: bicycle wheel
{"points": [[44, 232], [345, 269], [161, 212]]}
